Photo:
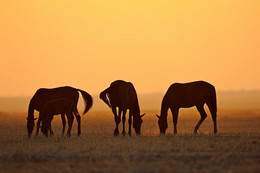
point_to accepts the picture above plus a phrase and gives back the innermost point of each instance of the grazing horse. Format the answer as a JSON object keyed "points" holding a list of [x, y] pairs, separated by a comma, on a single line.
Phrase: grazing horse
{"points": [[188, 95], [43, 95], [55, 107], [122, 94]]}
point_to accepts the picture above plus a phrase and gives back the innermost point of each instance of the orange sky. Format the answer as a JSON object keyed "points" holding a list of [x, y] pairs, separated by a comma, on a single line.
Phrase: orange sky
{"points": [[89, 44]]}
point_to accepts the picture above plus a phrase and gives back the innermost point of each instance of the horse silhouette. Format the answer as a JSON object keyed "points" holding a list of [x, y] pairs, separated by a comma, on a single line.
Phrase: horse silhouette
{"points": [[188, 95], [55, 107], [43, 95], [122, 94]]}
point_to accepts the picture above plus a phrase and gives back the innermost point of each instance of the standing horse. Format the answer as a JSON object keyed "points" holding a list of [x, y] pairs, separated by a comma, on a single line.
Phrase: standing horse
{"points": [[54, 107], [43, 95], [122, 94], [187, 95]]}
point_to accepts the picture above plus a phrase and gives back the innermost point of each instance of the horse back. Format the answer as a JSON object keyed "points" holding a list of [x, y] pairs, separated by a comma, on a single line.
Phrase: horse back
{"points": [[189, 94], [122, 94], [44, 95]]}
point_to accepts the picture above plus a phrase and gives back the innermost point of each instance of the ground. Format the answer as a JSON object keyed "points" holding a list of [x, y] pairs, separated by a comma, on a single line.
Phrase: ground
{"points": [[236, 147]]}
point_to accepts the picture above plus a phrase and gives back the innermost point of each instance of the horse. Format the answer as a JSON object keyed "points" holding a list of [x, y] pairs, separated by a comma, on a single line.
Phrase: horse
{"points": [[54, 107], [122, 94], [44, 95], [187, 95]]}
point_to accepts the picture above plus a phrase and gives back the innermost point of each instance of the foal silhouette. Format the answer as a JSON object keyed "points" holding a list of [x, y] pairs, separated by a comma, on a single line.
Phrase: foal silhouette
{"points": [[122, 94], [56, 107], [187, 95], [43, 95]]}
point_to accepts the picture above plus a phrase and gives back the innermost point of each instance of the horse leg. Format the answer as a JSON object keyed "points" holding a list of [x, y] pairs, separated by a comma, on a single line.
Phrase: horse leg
{"points": [[119, 117], [117, 121], [48, 125], [63, 123], [203, 116], [51, 132], [78, 118], [123, 120], [213, 112], [130, 122], [175, 113], [70, 118], [38, 125]]}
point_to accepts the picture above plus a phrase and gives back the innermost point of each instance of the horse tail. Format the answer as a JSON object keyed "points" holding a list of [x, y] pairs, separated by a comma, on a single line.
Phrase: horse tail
{"points": [[104, 96], [75, 111], [87, 100]]}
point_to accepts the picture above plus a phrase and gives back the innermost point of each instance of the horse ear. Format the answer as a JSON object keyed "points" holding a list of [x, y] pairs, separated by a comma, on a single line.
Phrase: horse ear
{"points": [[157, 116], [142, 115]]}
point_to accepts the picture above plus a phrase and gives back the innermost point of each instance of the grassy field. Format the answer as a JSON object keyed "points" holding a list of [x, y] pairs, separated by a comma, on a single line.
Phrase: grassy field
{"points": [[236, 148]]}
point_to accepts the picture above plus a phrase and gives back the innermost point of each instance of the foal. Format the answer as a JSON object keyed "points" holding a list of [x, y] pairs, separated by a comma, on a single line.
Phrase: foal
{"points": [[56, 107]]}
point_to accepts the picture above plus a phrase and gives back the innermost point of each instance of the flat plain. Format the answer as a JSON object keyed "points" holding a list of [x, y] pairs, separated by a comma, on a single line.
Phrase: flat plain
{"points": [[236, 147]]}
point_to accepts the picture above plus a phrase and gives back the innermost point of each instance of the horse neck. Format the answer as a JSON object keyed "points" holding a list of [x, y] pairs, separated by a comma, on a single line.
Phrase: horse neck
{"points": [[31, 109], [136, 110], [164, 110]]}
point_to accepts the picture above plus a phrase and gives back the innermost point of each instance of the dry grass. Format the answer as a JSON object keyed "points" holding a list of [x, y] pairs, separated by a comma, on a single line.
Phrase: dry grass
{"points": [[236, 148]]}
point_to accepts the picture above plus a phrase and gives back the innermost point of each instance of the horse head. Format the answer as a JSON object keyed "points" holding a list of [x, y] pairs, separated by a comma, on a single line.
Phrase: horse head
{"points": [[137, 124], [30, 125], [162, 122]]}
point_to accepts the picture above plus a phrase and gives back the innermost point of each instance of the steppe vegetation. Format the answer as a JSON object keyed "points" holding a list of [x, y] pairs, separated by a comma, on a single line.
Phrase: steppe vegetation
{"points": [[236, 147]]}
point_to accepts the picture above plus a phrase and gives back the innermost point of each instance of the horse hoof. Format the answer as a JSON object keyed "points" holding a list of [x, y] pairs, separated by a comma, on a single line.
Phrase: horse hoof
{"points": [[123, 133], [116, 133]]}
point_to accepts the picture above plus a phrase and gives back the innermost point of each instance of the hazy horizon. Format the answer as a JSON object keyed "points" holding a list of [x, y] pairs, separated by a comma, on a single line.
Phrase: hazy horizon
{"points": [[227, 100], [148, 93]]}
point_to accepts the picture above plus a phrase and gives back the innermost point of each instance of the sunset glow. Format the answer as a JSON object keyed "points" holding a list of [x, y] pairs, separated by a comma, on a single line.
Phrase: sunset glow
{"points": [[89, 44]]}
